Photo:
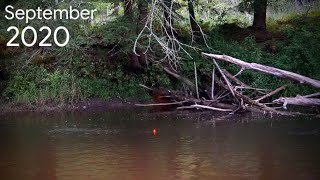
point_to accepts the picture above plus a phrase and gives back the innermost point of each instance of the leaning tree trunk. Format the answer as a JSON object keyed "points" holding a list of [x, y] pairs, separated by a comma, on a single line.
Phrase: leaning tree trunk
{"points": [[260, 14], [136, 61], [133, 61]]}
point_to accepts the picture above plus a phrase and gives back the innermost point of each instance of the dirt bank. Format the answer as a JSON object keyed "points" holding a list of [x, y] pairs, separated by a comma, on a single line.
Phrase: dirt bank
{"points": [[92, 104]]}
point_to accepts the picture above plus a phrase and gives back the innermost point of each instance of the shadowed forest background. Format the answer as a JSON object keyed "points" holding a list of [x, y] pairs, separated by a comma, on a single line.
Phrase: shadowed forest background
{"points": [[129, 42]]}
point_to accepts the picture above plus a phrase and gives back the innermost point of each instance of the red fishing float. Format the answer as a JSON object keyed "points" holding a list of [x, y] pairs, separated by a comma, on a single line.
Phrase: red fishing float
{"points": [[154, 132]]}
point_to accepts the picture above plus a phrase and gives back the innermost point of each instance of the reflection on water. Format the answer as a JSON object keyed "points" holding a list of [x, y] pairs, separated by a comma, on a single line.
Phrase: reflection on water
{"points": [[121, 145]]}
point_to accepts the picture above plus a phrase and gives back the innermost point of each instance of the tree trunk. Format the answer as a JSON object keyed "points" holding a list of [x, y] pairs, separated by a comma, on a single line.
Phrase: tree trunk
{"points": [[260, 14], [299, 100], [133, 62], [194, 26], [143, 17], [136, 62], [143, 14], [128, 8]]}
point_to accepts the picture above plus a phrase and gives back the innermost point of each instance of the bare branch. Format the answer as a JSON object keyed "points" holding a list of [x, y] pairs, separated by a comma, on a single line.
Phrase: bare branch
{"points": [[272, 93], [196, 78], [205, 107]]}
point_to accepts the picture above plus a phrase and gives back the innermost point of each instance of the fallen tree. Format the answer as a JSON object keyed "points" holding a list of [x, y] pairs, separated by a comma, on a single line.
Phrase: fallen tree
{"points": [[229, 94], [266, 69], [298, 100]]}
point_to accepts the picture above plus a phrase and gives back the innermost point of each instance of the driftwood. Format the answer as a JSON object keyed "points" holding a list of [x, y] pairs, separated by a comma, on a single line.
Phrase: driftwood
{"points": [[251, 102], [271, 93], [312, 95], [162, 104], [205, 107], [266, 69], [299, 100], [230, 94]]}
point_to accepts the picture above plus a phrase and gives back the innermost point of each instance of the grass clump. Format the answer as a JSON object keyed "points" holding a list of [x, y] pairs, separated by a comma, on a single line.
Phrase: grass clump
{"points": [[36, 85]]}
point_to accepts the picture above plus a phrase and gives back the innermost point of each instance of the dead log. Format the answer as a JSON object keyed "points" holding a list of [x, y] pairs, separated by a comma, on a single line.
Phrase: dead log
{"points": [[237, 102], [223, 105], [205, 107], [249, 101], [299, 100], [162, 104], [272, 93], [266, 69], [312, 95]]}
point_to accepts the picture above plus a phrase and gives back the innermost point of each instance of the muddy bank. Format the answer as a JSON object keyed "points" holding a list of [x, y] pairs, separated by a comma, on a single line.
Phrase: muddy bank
{"points": [[100, 105], [89, 105]]}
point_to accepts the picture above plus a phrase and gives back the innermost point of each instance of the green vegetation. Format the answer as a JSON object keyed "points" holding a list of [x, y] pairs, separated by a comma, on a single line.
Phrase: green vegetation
{"points": [[36, 84], [298, 52], [95, 63]]}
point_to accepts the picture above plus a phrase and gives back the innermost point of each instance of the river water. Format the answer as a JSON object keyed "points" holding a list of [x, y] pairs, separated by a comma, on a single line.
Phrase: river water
{"points": [[121, 144]]}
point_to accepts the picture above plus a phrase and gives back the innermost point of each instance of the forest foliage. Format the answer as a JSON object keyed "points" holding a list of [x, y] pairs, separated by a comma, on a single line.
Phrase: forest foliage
{"points": [[96, 62]]}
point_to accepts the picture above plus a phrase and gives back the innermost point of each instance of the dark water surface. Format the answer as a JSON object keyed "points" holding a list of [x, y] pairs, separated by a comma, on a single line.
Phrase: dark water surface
{"points": [[121, 145]]}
